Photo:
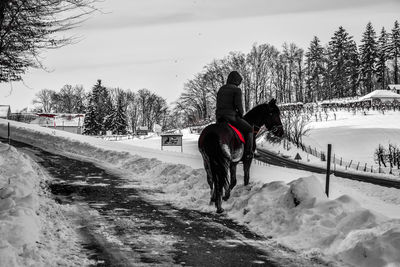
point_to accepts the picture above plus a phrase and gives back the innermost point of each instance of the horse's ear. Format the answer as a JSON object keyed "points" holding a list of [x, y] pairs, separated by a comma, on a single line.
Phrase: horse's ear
{"points": [[272, 101]]}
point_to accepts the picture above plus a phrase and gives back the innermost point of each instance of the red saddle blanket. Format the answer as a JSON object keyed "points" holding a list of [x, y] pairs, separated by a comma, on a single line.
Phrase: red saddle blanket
{"points": [[239, 134]]}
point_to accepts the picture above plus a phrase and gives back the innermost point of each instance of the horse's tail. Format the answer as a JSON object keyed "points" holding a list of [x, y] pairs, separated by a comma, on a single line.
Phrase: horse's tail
{"points": [[219, 164], [217, 160]]}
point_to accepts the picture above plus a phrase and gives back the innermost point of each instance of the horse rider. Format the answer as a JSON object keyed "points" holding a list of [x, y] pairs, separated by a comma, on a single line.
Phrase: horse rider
{"points": [[230, 109]]}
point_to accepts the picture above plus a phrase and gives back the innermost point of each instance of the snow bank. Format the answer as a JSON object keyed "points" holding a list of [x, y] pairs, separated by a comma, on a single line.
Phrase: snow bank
{"points": [[19, 224], [33, 229], [295, 214]]}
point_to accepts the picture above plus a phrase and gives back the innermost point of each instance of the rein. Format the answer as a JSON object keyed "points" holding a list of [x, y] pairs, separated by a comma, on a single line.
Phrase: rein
{"points": [[256, 129]]}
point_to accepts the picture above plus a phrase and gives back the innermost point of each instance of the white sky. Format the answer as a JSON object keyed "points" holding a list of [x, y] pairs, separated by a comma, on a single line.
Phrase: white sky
{"points": [[161, 44]]}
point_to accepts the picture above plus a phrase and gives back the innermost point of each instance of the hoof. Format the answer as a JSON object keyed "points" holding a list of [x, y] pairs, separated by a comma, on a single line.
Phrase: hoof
{"points": [[211, 202], [225, 198], [219, 211]]}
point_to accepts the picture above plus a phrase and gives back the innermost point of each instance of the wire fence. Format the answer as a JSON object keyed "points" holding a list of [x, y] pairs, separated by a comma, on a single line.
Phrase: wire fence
{"points": [[352, 164]]}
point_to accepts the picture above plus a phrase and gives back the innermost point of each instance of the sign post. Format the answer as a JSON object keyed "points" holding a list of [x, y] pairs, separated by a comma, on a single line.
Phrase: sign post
{"points": [[171, 139], [297, 157]]}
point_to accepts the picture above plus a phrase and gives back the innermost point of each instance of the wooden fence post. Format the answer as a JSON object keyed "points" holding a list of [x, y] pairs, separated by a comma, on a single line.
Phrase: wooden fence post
{"points": [[9, 139], [328, 170]]}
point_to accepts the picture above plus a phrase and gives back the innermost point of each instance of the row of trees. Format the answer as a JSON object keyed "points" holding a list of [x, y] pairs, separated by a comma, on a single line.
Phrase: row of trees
{"points": [[117, 110], [70, 99], [106, 109], [339, 69]]}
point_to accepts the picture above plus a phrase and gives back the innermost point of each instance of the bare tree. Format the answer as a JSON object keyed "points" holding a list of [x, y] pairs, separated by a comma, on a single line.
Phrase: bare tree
{"points": [[296, 126], [43, 101], [132, 110], [27, 27]]}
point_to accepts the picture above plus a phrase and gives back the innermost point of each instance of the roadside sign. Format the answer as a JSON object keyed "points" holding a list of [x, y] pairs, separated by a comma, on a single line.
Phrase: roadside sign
{"points": [[171, 139]]}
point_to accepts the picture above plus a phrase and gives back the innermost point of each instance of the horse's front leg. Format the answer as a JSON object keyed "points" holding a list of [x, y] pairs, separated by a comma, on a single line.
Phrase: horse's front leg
{"points": [[246, 170]]}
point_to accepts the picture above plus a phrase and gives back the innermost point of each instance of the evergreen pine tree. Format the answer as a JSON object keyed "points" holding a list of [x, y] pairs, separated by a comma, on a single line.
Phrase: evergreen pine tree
{"points": [[104, 108], [353, 69], [315, 70], [393, 49], [368, 58], [341, 59], [91, 125], [381, 69], [120, 120], [95, 114], [109, 114]]}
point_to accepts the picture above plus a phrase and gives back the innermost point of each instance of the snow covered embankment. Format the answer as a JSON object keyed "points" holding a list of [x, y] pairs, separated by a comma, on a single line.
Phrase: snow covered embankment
{"points": [[19, 224], [33, 229], [297, 214]]}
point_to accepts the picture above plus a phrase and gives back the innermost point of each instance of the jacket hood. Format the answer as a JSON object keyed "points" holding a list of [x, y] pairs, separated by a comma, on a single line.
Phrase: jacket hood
{"points": [[234, 78]]}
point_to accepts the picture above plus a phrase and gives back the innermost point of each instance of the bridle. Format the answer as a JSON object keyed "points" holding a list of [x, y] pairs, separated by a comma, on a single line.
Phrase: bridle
{"points": [[276, 128], [273, 130], [256, 129]]}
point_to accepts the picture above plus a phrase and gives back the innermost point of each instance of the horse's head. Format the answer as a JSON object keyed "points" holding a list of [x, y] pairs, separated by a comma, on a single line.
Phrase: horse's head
{"points": [[273, 119]]}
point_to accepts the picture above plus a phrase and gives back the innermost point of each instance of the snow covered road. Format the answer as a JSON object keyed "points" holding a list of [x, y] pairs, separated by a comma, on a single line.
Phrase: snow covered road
{"points": [[123, 226]]}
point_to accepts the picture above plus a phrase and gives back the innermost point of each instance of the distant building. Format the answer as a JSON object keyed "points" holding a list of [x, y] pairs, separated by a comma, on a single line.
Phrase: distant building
{"points": [[394, 88], [5, 112], [142, 130], [23, 117], [382, 96], [72, 123]]}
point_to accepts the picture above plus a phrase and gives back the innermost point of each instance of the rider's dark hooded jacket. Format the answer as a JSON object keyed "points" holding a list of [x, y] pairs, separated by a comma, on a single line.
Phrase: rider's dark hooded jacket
{"points": [[229, 98]]}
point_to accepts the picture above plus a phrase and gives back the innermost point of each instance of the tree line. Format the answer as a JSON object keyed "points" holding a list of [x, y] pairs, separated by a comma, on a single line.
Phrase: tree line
{"points": [[341, 68], [106, 109]]}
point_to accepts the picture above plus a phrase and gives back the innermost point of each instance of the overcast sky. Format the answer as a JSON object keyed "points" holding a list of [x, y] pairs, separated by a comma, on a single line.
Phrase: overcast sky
{"points": [[161, 44]]}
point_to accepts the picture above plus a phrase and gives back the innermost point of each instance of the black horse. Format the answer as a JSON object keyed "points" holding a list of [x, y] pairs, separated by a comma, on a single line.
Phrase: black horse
{"points": [[222, 149]]}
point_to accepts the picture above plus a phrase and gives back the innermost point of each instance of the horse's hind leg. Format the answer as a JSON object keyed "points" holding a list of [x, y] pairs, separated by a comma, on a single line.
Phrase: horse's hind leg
{"points": [[218, 199], [213, 195], [232, 170], [246, 170], [212, 188], [209, 180], [233, 175]]}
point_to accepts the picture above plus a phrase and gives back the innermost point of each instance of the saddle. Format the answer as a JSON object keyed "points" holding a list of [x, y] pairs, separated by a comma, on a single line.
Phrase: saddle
{"points": [[238, 133]]}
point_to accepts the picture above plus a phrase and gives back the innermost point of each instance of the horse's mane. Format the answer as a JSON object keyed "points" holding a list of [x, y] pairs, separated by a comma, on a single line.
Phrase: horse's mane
{"points": [[256, 114]]}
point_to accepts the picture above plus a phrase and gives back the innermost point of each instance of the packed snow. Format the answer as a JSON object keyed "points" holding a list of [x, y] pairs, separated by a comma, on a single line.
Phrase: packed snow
{"points": [[359, 224]]}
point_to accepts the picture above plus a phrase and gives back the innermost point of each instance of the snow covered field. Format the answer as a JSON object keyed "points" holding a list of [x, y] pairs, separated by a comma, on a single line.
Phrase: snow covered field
{"points": [[358, 225], [356, 136]]}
